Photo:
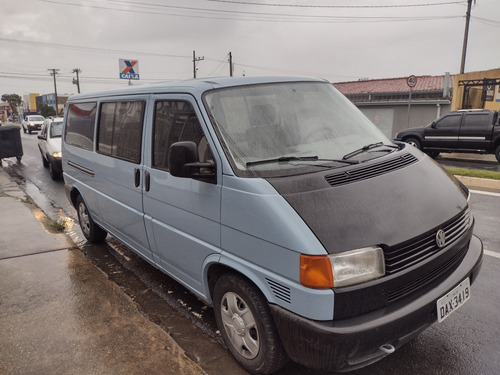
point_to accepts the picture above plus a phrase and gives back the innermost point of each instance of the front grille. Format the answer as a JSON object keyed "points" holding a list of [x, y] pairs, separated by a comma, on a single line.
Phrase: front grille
{"points": [[403, 256], [411, 267], [421, 281], [370, 171]]}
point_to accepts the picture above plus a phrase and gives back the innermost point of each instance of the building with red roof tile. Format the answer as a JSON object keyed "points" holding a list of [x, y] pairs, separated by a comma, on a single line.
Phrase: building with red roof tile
{"points": [[393, 105]]}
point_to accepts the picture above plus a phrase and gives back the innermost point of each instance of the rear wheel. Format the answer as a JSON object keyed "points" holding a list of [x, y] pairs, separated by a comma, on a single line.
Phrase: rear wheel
{"points": [[246, 325], [414, 142], [92, 232], [432, 154], [497, 153]]}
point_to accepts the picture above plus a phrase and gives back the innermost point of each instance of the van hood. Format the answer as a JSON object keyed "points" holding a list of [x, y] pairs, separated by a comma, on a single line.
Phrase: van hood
{"points": [[387, 200]]}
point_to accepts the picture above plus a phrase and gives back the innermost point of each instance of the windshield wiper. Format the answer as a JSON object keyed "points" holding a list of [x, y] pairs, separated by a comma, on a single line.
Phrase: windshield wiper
{"points": [[365, 149], [296, 158]]}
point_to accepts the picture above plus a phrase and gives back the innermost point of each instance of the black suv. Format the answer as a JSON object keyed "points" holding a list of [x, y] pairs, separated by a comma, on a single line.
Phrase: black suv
{"points": [[476, 131]]}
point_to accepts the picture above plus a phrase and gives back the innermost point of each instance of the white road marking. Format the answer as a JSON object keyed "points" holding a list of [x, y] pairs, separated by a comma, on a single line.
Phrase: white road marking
{"points": [[481, 192], [492, 253]]}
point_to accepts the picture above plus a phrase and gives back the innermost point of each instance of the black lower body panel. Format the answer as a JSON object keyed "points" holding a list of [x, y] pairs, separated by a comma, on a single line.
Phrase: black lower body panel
{"points": [[347, 344]]}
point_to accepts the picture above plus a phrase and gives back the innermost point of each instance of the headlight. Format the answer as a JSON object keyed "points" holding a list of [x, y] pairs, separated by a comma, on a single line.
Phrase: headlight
{"points": [[342, 269], [57, 154], [357, 266]]}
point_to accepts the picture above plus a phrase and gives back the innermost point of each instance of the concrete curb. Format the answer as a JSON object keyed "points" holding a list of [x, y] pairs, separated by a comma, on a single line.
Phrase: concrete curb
{"points": [[479, 183]]}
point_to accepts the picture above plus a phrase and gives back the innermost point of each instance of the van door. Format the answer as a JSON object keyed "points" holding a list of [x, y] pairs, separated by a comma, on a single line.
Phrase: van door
{"points": [[118, 171], [182, 215]]}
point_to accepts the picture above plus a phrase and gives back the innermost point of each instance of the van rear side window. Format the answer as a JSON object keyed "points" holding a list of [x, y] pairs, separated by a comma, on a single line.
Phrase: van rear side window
{"points": [[120, 130], [80, 124]]}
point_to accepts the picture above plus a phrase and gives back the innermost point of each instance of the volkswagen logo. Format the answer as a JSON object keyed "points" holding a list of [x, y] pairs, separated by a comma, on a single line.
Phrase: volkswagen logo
{"points": [[440, 238]]}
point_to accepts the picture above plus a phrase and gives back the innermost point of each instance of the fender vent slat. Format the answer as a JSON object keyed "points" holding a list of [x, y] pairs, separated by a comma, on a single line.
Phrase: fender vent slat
{"points": [[280, 291]]}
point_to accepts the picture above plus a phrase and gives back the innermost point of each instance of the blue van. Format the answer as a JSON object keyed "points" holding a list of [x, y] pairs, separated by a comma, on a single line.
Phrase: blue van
{"points": [[275, 200]]}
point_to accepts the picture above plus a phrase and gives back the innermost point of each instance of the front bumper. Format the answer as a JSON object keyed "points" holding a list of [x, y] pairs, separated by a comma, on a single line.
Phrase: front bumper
{"points": [[34, 127], [348, 344]]}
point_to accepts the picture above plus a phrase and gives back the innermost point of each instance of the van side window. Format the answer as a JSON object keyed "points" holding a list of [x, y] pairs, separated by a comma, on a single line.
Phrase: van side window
{"points": [[176, 121], [120, 130], [80, 122]]}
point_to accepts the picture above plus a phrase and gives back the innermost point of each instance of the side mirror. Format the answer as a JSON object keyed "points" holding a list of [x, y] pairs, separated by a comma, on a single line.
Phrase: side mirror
{"points": [[183, 162], [433, 125], [41, 137]]}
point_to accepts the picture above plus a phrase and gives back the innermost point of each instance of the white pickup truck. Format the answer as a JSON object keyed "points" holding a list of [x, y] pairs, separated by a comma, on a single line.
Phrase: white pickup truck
{"points": [[32, 122]]}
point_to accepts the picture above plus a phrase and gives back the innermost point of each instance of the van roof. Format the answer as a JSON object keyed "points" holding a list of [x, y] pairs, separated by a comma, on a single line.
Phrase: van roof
{"points": [[197, 85]]}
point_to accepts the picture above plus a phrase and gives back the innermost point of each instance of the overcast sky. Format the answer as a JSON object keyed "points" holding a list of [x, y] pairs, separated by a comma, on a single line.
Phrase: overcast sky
{"points": [[340, 40]]}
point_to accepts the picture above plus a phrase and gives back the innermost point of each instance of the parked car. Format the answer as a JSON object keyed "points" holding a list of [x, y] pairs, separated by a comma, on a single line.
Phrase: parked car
{"points": [[476, 131], [276, 201], [32, 122], [50, 146]]}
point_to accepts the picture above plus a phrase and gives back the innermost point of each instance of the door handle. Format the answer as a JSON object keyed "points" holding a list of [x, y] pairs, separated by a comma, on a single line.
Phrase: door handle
{"points": [[147, 181], [137, 177]]}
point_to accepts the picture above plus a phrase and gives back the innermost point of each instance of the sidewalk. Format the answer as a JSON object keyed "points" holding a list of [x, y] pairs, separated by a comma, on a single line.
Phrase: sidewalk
{"points": [[59, 314]]}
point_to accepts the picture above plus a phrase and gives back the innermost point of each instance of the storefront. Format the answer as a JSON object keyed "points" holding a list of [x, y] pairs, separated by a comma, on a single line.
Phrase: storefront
{"points": [[477, 90]]}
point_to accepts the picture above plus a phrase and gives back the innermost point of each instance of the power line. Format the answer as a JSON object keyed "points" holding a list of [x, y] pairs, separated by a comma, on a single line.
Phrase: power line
{"points": [[91, 49], [336, 6], [232, 15]]}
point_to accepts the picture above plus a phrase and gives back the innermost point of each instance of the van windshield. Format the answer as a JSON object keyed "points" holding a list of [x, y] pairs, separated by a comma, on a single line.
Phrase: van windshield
{"points": [[288, 128]]}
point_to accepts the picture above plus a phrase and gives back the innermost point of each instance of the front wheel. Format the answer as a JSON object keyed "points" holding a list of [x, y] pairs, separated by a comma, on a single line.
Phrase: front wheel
{"points": [[53, 173], [45, 163], [246, 325], [414, 142], [92, 232], [497, 153]]}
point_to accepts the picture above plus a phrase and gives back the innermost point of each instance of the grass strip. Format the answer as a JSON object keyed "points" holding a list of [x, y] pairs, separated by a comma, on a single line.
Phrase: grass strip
{"points": [[474, 173]]}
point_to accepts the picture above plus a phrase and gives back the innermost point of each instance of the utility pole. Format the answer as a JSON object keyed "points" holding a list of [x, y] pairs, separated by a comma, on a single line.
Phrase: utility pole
{"points": [[466, 35], [195, 60], [230, 64], [53, 74], [77, 80]]}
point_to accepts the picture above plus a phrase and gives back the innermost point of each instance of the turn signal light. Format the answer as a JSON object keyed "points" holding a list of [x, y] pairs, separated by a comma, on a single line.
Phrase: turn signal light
{"points": [[316, 271]]}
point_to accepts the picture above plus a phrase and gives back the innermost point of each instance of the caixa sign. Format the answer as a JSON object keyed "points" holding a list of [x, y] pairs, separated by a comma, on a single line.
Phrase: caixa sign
{"points": [[129, 69]]}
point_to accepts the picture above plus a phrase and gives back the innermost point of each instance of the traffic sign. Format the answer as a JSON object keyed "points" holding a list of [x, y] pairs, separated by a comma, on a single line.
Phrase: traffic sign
{"points": [[411, 81], [129, 69]]}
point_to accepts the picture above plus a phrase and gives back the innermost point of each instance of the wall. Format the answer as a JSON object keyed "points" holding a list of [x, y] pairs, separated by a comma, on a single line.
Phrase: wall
{"points": [[392, 118]]}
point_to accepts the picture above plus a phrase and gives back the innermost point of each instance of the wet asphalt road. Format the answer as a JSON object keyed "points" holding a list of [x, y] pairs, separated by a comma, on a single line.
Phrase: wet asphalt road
{"points": [[467, 343]]}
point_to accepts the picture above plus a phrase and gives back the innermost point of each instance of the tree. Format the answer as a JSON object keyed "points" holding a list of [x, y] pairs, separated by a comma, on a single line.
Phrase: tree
{"points": [[47, 110], [14, 100]]}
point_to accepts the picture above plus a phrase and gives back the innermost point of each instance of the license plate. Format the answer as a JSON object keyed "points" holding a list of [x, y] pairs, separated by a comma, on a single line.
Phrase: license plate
{"points": [[453, 300]]}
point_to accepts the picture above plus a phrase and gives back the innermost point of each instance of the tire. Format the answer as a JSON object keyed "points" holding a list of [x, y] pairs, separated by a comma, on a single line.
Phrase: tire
{"points": [[53, 174], [24, 130], [44, 162], [414, 142], [432, 154], [497, 153], [247, 326], [92, 232]]}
